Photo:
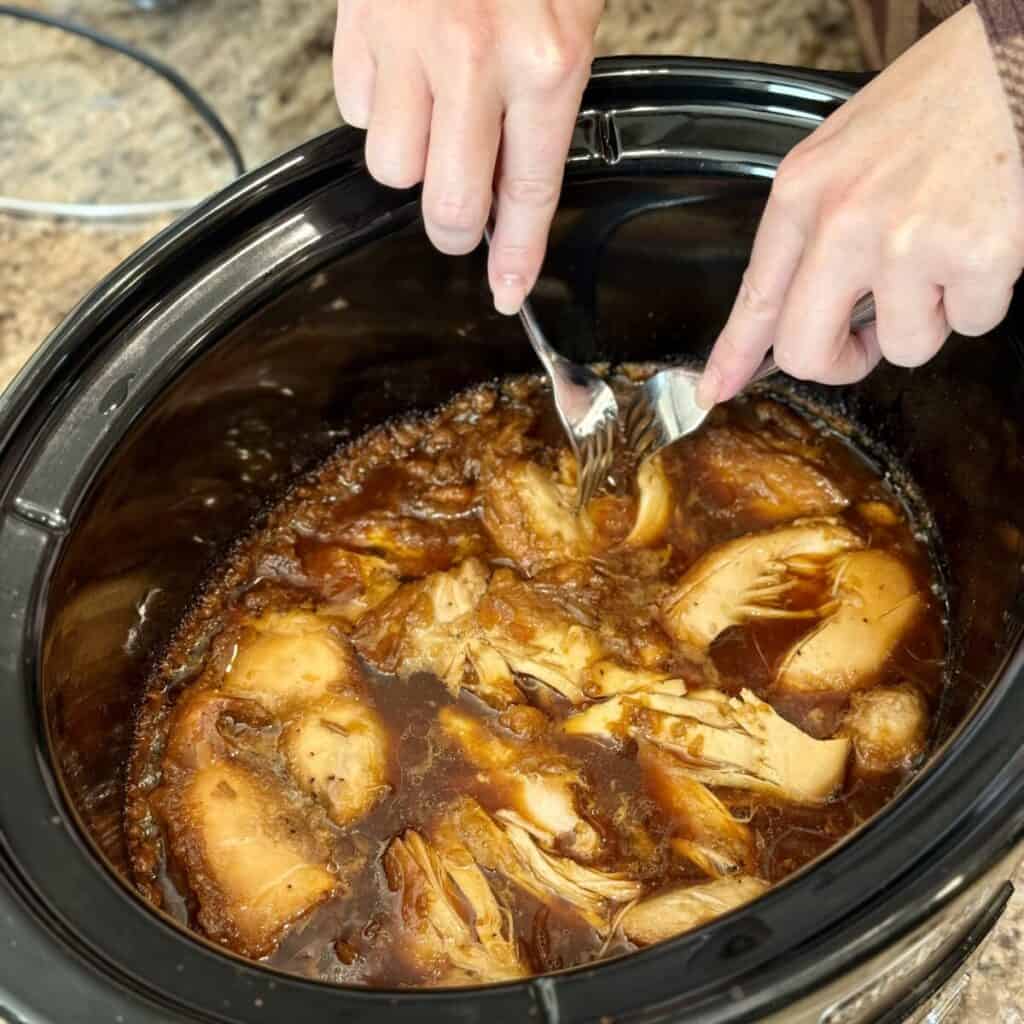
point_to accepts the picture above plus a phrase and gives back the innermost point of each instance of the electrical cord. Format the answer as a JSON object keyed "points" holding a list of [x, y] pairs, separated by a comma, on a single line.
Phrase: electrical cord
{"points": [[166, 72]]}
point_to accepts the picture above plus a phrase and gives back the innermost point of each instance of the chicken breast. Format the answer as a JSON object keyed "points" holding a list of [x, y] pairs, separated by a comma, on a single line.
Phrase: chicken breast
{"points": [[450, 925], [536, 783], [655, 504], [721, 741], [507, 844], [877, 602], [705, 833], [337, 751], [684, 908], [254, 863], [287, 659], [352, 583], [531, 516], [888, 726], [747, 578]]}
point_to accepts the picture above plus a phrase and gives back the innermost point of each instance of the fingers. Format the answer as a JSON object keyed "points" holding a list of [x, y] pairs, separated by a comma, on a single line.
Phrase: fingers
{"points": [[911, 321], [528, 186], [974, 307], [354, 71], [752, 325], [396, 143], [465, 129]]}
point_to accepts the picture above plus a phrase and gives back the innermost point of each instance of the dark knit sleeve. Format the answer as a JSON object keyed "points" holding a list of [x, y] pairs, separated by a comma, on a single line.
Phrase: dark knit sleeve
{"points": [[1004, 24]]}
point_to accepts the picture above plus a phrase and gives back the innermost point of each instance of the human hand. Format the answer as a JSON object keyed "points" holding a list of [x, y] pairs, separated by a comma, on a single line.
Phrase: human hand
{"points": [[914, 190], [476, 99]]}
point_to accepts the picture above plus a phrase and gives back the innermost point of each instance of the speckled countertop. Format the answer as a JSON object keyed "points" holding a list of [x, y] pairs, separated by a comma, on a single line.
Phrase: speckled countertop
{"points": [[80, 125]]}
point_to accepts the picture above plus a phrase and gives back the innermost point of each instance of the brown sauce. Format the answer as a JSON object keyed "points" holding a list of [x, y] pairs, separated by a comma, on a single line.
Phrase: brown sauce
{"points": [[424, 480]]}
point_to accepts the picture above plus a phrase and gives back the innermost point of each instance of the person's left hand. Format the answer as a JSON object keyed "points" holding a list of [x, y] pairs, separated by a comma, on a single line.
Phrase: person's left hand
{"points": [[913, 190]]}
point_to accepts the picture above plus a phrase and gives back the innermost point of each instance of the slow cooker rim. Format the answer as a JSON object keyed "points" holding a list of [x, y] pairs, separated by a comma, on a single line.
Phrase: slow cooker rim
{"points": [[77, 330]]}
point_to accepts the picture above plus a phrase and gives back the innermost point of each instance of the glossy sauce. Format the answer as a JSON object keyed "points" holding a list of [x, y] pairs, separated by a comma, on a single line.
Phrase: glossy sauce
{"points": [[426, 474]]}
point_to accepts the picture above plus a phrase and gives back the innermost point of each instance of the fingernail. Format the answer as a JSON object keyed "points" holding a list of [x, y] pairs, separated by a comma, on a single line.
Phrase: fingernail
{"points": [[709, 387], [509, 294]]}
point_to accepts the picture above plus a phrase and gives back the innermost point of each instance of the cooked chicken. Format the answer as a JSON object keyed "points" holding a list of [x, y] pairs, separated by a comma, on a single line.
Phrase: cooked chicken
{"points": [[888, 726], [414, 546], [507, 845], [337, 750], [537, 783], [655, 504], [353, 583], [684, 908], [531, 516], [253, 861], [746, 579], [765, 476], [287, 659], [705, 832], [607, 678], [741, 742], [426, 626], [536, 636], [877, 603], [208, 724], [455, 931]]}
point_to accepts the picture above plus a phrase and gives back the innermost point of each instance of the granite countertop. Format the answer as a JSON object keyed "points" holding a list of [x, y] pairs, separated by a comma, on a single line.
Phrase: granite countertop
{"points": [[81, 125]]}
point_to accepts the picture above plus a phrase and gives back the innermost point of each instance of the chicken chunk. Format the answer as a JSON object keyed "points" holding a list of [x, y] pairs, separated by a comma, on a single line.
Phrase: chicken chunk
{"points": [[765, 476], [747, 578], [506, 844], [537, 783], [877, 603], [607, 679], [888, 726], [426, 626], [537, 637], [337, 750], [288, 659], [353, 583], [531, 516], [454, 930], [655, 504], [254, 862], [740, 742], [684, 908], [704, 830], [414, 546], [208, 724]]}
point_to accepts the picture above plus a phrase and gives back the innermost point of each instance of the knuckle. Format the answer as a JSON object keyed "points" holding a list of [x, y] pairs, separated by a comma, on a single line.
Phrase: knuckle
{"points": [[533, 192], [842, 220], [755, 301], [558, 62], [471, 40], [798, 362], [791, 181], [905, 238]]}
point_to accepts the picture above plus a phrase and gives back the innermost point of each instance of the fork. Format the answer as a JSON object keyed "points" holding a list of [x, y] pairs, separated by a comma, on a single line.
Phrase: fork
{"points": [[664, 408], [585, 404]]}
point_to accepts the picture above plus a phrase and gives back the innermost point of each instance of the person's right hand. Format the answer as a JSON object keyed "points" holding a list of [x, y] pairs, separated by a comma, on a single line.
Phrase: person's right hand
{"points": [[476, 99]]}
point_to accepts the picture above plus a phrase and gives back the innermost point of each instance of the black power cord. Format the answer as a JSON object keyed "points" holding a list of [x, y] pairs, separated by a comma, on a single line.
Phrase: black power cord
{"points": [[165, 71]]}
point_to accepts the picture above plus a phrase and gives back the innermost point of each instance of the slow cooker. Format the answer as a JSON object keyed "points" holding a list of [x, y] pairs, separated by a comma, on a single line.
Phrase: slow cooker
{"points": [[303, 304]]}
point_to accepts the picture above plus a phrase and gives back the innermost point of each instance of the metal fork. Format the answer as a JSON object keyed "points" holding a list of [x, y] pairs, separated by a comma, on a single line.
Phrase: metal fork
{"points": [[664, 408], [585, 405]]}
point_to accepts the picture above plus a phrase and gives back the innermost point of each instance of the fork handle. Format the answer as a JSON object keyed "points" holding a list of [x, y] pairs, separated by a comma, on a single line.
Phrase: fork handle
{"points": [[861, 316]]}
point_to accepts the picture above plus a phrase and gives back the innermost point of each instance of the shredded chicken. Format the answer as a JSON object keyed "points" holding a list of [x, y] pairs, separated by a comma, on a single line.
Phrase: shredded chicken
{"points": [[877, 601], [254, 864], [682, 909], [413, 546], [287, 659], [337, 750], [747, 578], [507, 844], [740, 742], [704, 830], [540, 785], [654, 506], [451, 925], [888, 726], [531, 516]]}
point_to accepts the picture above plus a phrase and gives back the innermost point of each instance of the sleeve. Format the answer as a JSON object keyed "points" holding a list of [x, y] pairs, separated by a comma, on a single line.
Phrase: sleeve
{"points": [[1004, 24]]}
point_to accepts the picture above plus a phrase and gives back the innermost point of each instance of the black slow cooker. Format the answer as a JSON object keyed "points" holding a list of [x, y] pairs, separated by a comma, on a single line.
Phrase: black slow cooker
{"points": [[303, 304]]}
